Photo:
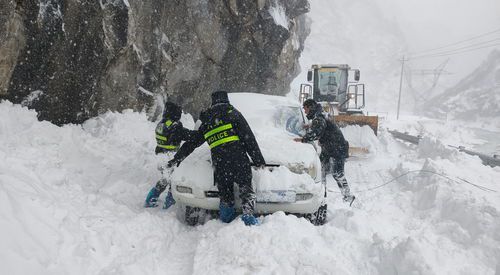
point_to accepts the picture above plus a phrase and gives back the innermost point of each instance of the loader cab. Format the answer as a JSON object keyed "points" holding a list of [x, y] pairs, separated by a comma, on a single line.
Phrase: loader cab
{"points": [[336, 87], [331, 84]]}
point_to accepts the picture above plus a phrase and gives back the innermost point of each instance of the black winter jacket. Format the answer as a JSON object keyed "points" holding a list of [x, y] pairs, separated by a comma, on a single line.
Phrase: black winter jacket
{"points": [[332, 141], [229, 136], [170, 134]]}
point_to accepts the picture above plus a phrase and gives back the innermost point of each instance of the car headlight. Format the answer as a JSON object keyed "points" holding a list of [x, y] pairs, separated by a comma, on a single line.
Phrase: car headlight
{"points": [[297, 168], [301, 169], [312, 171], [184, 189]]}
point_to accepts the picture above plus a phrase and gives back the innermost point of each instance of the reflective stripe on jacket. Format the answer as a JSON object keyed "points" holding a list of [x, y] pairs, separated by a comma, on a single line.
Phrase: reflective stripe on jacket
{"points": [[229, 136], [220, 135], [162, 135]]}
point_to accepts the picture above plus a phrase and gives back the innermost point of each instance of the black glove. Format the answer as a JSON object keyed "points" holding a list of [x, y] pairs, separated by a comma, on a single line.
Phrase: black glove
{"points": [[173, 162]]}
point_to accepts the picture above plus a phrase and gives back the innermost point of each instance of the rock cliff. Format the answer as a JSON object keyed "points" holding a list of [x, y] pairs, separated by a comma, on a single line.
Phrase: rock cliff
{"points": [[74, 59]]}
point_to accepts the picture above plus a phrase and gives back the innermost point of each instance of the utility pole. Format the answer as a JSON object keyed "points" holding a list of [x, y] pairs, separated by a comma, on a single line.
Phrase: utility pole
{"points": [[401, 84]]}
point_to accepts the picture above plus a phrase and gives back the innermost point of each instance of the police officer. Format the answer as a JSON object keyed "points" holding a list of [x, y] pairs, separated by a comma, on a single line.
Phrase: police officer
{"points": [[169, 134], [334, 147], [230, 139]]}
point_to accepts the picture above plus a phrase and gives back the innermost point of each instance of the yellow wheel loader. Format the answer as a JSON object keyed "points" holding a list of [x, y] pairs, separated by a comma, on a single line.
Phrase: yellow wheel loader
{"points": [[341, 97]]}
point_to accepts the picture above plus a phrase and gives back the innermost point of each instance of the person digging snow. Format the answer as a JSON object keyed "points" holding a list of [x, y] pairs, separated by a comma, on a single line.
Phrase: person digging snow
{"points": [[334, 147], [230, 139], [169, 134]]}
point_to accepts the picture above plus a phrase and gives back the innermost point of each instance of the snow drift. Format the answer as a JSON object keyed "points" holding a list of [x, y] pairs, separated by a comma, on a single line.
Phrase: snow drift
{"points": [[71, 203]]}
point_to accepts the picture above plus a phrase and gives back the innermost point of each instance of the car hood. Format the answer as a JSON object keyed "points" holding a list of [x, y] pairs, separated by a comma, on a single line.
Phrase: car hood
{"points": [[196, 170], [276, 144]]}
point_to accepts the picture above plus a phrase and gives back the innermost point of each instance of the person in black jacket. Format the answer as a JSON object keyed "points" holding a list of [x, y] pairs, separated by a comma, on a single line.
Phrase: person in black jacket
{"points": [[230, 139], [334, 147], [169, 134]]}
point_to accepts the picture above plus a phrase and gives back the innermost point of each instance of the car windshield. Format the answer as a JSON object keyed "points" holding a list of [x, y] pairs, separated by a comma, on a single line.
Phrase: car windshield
{"points": [[291, 119]]}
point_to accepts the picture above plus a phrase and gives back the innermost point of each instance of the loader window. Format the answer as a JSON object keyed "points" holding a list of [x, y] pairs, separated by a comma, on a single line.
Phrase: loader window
{"points": [[331, 83]]}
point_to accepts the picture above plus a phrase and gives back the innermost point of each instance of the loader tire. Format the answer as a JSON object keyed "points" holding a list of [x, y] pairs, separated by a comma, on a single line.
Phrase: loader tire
{"points": [[192, 215], [318, 217]]}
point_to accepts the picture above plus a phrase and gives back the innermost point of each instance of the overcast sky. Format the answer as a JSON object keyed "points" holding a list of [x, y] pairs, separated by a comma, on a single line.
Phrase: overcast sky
{"points": [[429, 24], [373, 34]]}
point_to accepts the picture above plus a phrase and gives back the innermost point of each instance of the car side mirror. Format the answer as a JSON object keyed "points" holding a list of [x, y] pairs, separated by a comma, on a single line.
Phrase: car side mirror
{"points": [[309, 76], [356, 75]]}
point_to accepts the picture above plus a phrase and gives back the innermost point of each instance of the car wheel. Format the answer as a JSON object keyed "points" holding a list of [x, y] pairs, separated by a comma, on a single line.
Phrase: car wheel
{"points": [[318, 217], [192, 215]]}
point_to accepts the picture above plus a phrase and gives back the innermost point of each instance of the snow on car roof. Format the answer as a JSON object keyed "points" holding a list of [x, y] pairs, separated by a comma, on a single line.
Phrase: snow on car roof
{"points": [[276, 143], [261, 100], [258, 109]]}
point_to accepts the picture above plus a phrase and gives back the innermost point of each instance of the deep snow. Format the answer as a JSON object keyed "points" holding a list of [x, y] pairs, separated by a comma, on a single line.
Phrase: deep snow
{"points": [[71, 197], [71, 203]]}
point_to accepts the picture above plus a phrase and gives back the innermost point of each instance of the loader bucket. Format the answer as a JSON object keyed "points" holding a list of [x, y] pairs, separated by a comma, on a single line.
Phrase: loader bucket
{"points": [[361, 120], [358, 151]]}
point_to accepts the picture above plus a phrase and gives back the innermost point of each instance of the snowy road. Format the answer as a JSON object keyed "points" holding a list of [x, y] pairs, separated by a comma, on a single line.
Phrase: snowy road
{"points": [[491, 144], [71, 203]]}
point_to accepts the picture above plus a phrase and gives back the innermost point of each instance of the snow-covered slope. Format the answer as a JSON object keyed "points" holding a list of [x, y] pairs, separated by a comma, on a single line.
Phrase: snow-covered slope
{"points": [[476, 98], [71, 203]]}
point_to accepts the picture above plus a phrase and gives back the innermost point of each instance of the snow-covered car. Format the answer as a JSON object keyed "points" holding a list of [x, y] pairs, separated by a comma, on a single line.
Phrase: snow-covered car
{"points": [[293, 187]]}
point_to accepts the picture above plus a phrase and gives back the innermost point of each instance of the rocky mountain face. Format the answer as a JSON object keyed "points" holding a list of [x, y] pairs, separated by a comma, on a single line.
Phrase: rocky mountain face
{"points": [[74, 59], [475, 98]]}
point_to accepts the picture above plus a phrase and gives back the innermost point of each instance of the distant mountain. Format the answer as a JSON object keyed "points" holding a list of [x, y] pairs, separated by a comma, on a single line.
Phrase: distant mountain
{"points": [[474, 98]]}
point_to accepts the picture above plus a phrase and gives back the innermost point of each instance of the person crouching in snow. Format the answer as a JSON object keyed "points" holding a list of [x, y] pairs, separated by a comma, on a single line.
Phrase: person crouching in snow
{"points": [[334, 147], [231, 141], [169, 134]]}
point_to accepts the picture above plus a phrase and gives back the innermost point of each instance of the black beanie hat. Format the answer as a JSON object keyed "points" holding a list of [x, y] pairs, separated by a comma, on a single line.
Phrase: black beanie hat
{"points": [[172, 111], [219, 97], [204, 116], [313, 106], [309, 103]]}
